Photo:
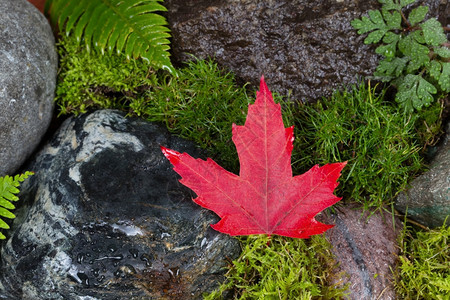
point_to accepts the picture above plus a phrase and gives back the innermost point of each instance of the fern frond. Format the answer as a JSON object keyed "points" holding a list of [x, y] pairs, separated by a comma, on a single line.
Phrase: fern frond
{"points": [[129, 26], [8, 191]]}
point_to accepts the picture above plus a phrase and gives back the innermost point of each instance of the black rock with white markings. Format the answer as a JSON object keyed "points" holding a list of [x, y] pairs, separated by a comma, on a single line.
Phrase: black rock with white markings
{"points": [[105, 217]]}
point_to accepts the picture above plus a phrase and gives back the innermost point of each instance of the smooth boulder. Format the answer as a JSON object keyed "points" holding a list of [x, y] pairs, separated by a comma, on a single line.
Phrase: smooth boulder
{"points": [[427, 201], [28, 66]]}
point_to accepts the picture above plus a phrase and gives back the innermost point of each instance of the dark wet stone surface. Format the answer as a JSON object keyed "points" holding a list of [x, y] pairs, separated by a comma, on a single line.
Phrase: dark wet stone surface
{"points": [[106, 217], [303, 48]]}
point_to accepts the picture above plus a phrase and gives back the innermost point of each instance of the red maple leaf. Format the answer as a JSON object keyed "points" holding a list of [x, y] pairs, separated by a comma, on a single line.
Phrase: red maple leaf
{"points": [[265, 198]]}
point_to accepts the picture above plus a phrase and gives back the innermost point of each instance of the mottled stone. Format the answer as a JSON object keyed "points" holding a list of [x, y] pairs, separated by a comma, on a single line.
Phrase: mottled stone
{"points": [[305, 47], [366, 251], [428, 199], [106, 218], [28, 65]]}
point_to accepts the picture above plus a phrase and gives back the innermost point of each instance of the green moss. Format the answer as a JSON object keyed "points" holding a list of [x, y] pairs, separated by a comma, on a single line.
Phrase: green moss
{"points": [[281, 268], [201, 105], [424, 268], [429, 124], [88, 80]]}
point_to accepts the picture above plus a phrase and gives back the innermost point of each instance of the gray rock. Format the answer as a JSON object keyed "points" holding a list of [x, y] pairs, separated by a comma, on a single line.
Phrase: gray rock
{"points": [[28, 66], [366, 251], [428, 199], [106, 218], [301, 46]]}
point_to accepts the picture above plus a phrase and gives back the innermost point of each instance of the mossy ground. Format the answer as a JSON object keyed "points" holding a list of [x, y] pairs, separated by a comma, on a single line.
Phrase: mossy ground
{"points": [[281, 268], [382, 145], [424, 267]]}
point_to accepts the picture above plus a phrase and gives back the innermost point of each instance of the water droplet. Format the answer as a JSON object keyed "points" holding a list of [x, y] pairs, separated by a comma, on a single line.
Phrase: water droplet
{"points": [[134, 252], [80, 258], [164, 234], [147, 258], [83, 278], [112, 248], [96, 272], [118, 273], [128, 269]]}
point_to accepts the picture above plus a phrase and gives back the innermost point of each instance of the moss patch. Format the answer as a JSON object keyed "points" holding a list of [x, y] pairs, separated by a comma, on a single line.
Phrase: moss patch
{"points": [[380, 143], [424, 268], [88, 80], [281, 268]]}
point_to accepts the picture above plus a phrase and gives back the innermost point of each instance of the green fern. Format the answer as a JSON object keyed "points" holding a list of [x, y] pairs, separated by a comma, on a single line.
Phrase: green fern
{"points": [[8, 190], [129, 26], [416, 52]]}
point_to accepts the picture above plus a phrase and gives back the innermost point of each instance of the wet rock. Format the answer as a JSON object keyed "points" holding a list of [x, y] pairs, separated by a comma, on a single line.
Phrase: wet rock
{"points": [[428, 199], [366, 250], [28, 65], [301, 46], [106, 218]]}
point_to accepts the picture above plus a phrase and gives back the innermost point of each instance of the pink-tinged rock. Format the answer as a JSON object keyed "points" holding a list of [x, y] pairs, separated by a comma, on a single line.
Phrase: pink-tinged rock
{"points": [[366, 251]]}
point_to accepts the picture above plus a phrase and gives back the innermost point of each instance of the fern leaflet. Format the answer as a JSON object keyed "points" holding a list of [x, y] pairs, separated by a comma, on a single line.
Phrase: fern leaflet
{"points": [[8, 191], [129, 26]]}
